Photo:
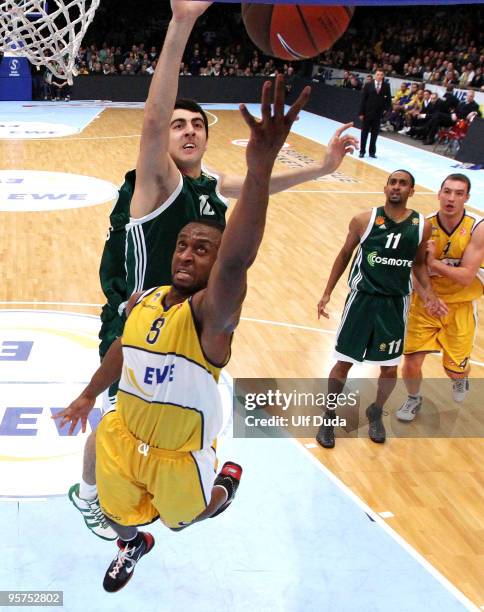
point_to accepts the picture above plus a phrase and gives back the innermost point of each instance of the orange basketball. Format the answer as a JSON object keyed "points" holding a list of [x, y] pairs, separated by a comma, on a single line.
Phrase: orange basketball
{"points": [[295, 31]]}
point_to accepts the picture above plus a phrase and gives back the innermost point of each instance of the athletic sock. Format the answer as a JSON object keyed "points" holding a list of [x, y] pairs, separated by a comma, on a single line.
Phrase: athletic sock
{"points": [[87, 491], [136, 541]]}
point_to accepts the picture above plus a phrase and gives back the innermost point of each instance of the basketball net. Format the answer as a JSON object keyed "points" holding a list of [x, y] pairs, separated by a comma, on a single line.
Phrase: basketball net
{"points": [[51, 40]]}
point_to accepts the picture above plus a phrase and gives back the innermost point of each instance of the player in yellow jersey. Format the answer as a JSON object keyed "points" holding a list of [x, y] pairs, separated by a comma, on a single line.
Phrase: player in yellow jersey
{"points": [[154, 455], [455, 258], [169, 188]]}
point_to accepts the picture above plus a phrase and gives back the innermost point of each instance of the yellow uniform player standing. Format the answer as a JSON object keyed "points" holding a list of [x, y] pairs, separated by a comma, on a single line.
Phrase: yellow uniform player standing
{"points": [[455, 258]]}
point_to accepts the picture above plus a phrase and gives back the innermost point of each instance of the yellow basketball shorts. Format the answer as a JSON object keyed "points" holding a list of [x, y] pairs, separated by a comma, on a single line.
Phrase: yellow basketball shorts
{"points": [[138, 483], [452, 334]]}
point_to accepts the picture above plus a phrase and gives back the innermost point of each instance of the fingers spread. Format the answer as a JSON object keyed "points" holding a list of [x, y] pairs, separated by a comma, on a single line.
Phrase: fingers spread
{"points": [[248, 118], [298, 104]]}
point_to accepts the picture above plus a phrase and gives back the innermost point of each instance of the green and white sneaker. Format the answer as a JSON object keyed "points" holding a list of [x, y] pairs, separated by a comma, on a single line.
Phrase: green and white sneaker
{"points": [[92, 514]]}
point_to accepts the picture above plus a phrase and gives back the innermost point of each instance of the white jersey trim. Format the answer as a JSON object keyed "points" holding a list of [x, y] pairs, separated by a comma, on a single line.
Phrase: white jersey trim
{"points": [[421, 225], [225, 200], [163, 206], [369, 226]]}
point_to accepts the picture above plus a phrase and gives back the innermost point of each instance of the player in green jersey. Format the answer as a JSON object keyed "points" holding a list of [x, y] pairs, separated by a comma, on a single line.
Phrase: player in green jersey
{"points": [[168, 189], [391, 242]]}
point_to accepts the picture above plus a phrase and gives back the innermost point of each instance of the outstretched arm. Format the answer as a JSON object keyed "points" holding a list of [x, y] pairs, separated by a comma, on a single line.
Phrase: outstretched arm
{"points": [[339, 145], [355, 231], [218, 307], [107, 374], [156, 173]]}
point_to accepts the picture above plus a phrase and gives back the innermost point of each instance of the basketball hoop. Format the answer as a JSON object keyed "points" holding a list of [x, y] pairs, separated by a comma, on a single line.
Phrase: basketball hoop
{"points": [[46, 39]]}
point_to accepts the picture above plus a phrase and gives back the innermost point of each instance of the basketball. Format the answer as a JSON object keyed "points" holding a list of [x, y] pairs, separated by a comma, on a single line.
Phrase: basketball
{"points": [[295, 31]]}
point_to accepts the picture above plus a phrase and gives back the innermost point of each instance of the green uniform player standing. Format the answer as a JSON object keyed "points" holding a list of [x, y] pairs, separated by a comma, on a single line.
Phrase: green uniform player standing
{"points": [[391, 242]]}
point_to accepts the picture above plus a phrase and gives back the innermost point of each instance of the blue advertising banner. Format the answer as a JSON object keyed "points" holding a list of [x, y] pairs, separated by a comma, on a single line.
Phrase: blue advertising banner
{"points": [[15, 79]]}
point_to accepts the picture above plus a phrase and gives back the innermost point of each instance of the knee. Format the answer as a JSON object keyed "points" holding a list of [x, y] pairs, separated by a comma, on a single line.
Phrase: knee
{"points": [[411, 367], [389, 371], [341, 369]]}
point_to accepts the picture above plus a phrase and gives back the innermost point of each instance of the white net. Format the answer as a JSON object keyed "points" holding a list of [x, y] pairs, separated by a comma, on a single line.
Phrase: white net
{"points": [[50, 38]]}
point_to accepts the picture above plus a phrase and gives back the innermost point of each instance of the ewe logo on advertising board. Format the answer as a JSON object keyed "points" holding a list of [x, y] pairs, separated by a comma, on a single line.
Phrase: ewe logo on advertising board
{"points": [[32, 190], [30, 130], [46, 358]]}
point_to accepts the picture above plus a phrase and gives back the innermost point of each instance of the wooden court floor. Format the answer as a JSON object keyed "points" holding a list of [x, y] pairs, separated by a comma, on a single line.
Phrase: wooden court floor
{"points": [[432, 486]]}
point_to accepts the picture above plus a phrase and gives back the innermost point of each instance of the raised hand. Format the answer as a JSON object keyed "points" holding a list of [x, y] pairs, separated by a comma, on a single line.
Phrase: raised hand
{"points": [[339, 145], [268, 134]]}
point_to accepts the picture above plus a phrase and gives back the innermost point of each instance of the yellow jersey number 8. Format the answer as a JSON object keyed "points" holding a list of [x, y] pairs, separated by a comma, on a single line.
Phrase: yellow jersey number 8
{"points": [[154, 332]]}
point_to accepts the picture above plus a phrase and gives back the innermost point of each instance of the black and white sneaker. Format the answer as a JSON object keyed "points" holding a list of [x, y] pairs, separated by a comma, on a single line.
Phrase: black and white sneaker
{"points": [[229, 479], [376, 429], [122, 566]]}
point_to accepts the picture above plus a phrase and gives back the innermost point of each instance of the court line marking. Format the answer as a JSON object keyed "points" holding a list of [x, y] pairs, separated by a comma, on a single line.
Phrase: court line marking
{"points": [[467, 603], [53, 303], [63, 138], [249, 319], [386, 514], [23, 499]]}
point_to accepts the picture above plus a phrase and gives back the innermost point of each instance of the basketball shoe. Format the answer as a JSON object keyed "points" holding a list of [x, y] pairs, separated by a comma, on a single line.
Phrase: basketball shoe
{"points": [[325, 435], [409, 409], [229, 479], [121, 568], [92, 514], [460, 389], [376, 429]]}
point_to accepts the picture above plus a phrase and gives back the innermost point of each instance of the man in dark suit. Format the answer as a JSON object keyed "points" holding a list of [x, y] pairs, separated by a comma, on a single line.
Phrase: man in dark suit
{"points": [[449, 112], [429, 106], [376, 99]]}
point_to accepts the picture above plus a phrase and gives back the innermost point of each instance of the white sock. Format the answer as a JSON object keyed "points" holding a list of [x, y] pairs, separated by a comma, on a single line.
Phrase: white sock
{"points": [[87, 491]]}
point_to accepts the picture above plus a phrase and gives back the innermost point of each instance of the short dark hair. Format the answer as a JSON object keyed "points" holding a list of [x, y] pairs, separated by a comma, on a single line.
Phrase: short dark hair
{"points": [[194, 107], [458, 177], [218, 225], [412, 178]]}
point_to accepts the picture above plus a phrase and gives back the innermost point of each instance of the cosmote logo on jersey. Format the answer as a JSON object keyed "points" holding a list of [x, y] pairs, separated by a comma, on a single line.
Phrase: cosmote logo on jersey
{"points": [[46, 360], [373, 259]]}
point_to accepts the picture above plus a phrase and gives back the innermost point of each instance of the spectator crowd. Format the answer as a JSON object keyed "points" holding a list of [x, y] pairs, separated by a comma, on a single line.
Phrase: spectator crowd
{"points": [[437, 45]]}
